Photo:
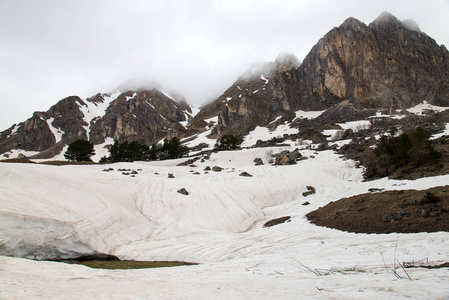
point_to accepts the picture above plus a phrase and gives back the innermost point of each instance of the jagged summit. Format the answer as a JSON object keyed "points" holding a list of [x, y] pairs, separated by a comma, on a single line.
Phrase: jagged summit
{"points": [[286, 61], [386, 17], [352, 23]]}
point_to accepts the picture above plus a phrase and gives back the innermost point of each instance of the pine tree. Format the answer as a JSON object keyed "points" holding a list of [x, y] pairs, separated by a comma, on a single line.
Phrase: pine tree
{"points": [[80, 150]]}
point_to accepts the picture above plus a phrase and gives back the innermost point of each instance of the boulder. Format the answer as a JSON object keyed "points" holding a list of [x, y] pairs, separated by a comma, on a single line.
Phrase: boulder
{"points": [[183, 191]]}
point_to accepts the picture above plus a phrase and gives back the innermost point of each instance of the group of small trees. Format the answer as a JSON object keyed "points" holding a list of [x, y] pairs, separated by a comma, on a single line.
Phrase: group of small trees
{"points": [[132, 151], [394, 151], [82, 150], [228, 142]]}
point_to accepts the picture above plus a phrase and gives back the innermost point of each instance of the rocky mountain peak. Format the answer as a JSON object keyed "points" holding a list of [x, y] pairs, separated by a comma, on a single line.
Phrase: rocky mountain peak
{"points": [[285, 62], [386, 19], [352, 24]]}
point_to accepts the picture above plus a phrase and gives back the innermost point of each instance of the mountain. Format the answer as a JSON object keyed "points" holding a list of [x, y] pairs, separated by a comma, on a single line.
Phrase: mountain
{"points": [[388, 64], [354, 70], [257, 97], [146, 116]]}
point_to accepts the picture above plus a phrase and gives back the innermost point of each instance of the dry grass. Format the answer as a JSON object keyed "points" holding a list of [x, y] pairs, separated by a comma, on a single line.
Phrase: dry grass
{"points": [[408, 210]]}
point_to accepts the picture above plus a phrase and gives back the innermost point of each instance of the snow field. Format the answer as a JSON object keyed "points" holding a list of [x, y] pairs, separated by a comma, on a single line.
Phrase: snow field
{"points": [[219, 224]]}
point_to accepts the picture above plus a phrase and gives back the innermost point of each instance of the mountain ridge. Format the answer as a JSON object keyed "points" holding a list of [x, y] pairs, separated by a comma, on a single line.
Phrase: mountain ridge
{"points": [[387, 64]]}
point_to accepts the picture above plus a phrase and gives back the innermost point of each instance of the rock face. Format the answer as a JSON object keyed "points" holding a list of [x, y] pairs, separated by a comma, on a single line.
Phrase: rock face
{"points": [[145, 116], [382, 65], [388, 64], [256, 98]]}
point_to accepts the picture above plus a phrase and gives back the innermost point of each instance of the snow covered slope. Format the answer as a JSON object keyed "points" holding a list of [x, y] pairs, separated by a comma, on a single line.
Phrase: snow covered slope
{"points": [[80, 209]]}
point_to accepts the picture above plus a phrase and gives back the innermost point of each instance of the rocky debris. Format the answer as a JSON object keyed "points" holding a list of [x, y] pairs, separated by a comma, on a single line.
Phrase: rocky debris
{"points": [[277, 221], [216, 169], [387, 218], [310, 191], [245, 174], [258, 161], [306, 203], [108, 169], [170, 175], [196, 173], [287, 158], [134, 172], [183, 191]]}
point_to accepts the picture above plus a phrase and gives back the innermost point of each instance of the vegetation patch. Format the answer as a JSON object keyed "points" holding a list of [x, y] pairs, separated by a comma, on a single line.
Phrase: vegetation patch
{"points": [[130, 264], [18, 160], [65, 163], [407, 211], [277, 221]]}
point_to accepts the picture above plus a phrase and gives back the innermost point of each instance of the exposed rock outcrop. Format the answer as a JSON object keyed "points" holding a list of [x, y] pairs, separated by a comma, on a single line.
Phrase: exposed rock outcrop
{"points": [[388, 64], [145, 116], [382, 65]]}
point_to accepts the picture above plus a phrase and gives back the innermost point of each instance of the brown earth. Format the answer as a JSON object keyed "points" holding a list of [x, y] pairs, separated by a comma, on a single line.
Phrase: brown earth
{"points": [[407, 211]]}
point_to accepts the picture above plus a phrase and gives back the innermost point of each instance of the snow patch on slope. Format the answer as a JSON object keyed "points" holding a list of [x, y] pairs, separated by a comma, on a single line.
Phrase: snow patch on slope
{"points": [[421, 108], [301, 114], [96, 110], [263, 133], [56, 132]]}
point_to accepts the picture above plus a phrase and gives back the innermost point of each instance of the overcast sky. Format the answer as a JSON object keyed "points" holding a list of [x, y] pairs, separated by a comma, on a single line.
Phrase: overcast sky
{"points": [[51, 49]]}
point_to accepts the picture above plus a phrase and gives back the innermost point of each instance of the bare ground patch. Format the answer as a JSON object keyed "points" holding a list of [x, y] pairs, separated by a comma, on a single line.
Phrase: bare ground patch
{"points": [[407, 211]]}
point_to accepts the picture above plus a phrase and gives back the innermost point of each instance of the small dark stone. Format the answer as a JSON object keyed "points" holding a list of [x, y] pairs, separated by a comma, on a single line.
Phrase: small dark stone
{"points": [[413, 202], [245, 174], [170, 175], [397, 216], [134, 172], [217, 169], [387, 218], [306, 203], [310, 191], [258, 161], [183, 191], [207, 168], [196, 173]]}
